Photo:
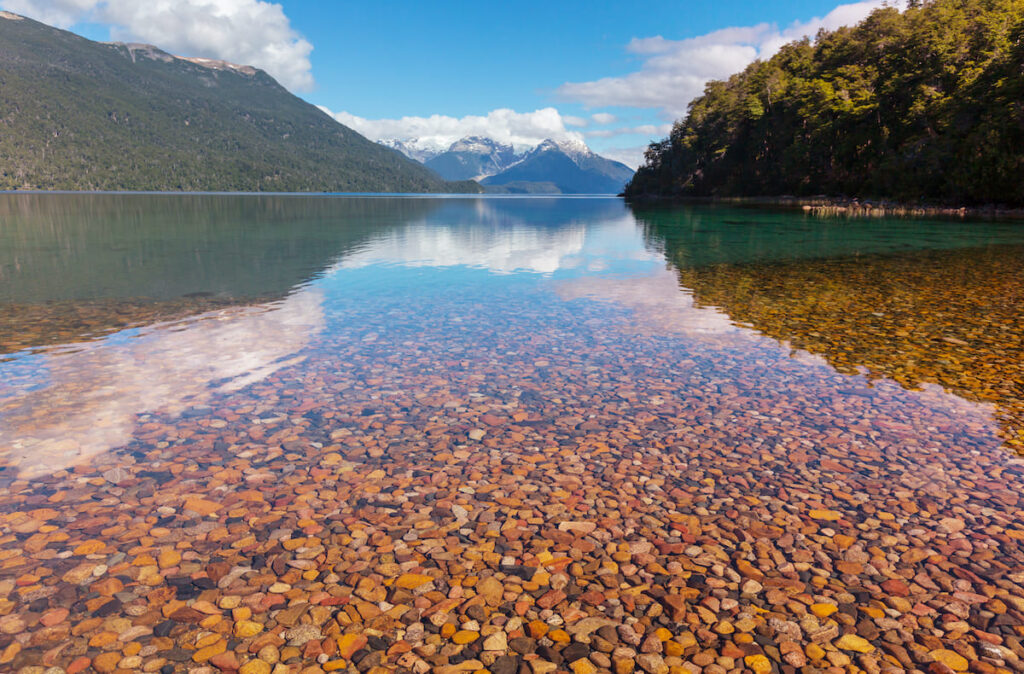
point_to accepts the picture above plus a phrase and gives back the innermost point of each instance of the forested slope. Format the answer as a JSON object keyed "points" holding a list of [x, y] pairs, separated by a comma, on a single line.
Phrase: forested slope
{"points": [[923, 105], [82, 115]]}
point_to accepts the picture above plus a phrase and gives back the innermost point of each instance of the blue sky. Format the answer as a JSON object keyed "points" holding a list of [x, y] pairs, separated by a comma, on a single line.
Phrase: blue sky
{"points": [[612, 74]]}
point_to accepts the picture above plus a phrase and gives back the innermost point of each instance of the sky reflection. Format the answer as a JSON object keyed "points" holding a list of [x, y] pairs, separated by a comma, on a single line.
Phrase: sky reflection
{"points": [[85, 402], [370, 272]]}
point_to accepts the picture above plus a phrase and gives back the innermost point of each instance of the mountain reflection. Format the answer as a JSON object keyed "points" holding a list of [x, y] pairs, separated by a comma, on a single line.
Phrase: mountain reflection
{"points": [[75, 267], [499, 235], [877, 304], [219, 292], [64, 247]]}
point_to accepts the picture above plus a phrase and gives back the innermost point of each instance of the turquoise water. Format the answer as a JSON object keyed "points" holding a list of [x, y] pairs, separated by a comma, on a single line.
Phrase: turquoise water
{"points": [[291, 400]]}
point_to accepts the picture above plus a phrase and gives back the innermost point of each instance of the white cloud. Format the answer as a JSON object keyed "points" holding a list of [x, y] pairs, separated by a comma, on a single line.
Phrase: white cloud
{"points": [[248, 32], [641, 130], [632, 156], [520, 129], [674, 72], [604, 118], [61, 13], [571, 120], [503, 252]]}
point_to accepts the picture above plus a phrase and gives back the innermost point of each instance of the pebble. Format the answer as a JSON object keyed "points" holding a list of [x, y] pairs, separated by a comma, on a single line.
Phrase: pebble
{"points": [[949, 658], [615, 494], [255, 667], [852, 642]]}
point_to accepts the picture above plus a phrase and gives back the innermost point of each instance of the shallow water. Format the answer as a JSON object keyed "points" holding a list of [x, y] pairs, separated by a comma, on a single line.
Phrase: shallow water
{"points": [[357, 414]]}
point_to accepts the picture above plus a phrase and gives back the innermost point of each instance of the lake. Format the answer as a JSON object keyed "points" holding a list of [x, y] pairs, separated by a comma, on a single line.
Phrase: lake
{"points": [[465, 433]]}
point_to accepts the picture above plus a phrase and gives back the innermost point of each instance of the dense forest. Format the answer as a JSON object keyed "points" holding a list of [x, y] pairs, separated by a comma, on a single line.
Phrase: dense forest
{"points": [[82, 115], [924, 105]]}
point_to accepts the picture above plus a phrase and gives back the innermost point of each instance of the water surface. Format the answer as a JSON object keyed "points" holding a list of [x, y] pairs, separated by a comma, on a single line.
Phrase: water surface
{"points": [[350, 412]]}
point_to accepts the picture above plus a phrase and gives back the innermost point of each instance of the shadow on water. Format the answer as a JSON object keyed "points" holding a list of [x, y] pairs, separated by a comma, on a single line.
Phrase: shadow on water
{"points": [[918, 302]]}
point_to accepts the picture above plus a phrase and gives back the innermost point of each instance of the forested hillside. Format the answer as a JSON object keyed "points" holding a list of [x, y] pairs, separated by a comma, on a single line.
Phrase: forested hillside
{"points": [[923, 105], [82, 115]]}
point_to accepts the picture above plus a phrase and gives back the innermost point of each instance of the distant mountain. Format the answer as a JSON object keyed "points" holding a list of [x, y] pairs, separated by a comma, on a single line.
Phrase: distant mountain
{"points": [[82, 115], [473, 158], [553, 167], [420, 152], [570, 165]]}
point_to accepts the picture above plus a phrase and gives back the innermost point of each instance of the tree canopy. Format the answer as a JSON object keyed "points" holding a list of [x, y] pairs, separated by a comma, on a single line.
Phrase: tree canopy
{"points": [[924, 105]]}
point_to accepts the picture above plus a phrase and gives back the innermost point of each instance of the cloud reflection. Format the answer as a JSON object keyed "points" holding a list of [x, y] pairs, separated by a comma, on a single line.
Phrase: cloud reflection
{"points": [[504, 236], [501, 252], [660, 306], [88, 399]]}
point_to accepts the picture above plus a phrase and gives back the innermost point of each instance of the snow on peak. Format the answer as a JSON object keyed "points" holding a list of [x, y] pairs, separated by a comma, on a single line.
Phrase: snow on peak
{"points": [[573, 145], [479, 144], [505, 155], [418, 149], [574, 149]]}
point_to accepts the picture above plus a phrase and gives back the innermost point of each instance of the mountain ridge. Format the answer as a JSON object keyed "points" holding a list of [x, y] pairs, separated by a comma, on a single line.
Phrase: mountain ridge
{"points": [[570, 165], [82, 115], [550, 167], [473, 158]]}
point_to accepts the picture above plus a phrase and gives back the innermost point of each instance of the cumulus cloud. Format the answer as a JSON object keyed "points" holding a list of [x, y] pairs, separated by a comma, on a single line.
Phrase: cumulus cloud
{"points": [[604, 118], [632, 156], [437, 132], [642, 130], [248, 32], [571, 120], [60, 13], [674, 72]]}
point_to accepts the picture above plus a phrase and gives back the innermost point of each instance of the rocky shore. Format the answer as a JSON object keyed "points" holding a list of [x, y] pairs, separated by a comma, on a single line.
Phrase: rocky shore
{"points": [[837, 206], [404, 503]]}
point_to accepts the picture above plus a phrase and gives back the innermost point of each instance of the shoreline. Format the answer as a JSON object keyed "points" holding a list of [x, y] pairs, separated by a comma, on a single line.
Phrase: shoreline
{"points": [[821, 205]]}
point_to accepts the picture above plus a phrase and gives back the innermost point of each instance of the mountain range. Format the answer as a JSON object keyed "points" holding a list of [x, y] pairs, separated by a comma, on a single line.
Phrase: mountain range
{"points": [[82, 115], [551, 167]]}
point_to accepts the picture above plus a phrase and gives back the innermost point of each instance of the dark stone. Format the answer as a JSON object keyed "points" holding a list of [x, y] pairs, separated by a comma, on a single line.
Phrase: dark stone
{"points": [[575, 651], [370, 661], [550, 654], [110, 608], [522, 645], [505, 664], [524, 572], [164, 628]]}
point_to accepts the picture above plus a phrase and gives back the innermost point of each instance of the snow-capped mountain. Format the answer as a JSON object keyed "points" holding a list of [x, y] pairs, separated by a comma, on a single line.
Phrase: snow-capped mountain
{"points": [[473, 158], [551, 167], [570, 166], [576, 150], [414, 148]]}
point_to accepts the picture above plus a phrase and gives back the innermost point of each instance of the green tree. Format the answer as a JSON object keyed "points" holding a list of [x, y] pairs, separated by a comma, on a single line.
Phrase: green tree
{"points": [[923, 105]]}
